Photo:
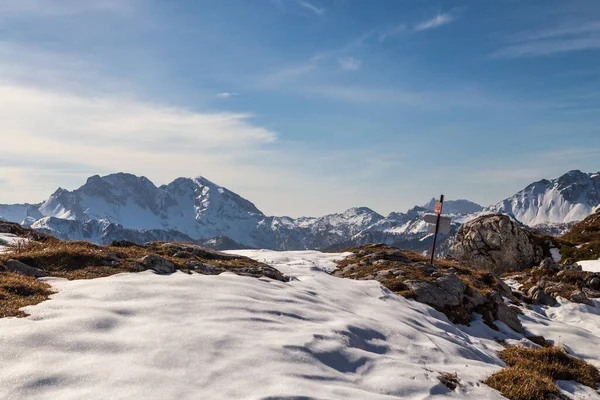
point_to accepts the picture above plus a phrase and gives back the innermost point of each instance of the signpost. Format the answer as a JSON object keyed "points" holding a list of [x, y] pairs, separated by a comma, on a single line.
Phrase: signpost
{"points": [[438, 211]]}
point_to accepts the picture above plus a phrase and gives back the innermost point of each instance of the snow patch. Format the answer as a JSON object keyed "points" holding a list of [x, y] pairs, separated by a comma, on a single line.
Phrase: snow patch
{"points": [[590, 265]]}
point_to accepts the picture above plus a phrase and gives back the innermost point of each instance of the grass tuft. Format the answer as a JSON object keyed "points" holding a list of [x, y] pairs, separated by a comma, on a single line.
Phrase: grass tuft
{"points": [[18, 291], [531, 372]]}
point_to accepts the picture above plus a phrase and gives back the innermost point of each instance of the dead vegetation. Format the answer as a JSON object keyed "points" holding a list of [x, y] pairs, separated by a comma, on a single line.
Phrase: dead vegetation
{"points": [[450, 380], [531, 373], [482, 281], [582, 242], [393, 268], [17, 291], [84, 260]]}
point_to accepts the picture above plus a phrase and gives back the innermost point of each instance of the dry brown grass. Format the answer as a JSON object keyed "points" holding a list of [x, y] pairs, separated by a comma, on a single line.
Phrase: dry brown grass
{"points": [[582, 242], [531, 373], [17, 291], [84, 260], [76, 260], [484, 282], [450, 380]]}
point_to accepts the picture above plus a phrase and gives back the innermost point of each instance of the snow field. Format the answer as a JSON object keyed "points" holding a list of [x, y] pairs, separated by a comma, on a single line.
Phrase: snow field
{"points": [[230, 337]]}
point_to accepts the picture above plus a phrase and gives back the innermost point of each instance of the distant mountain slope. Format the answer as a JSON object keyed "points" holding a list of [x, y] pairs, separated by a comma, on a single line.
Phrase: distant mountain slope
{"points": [[460, 206], [125, 206], [569, 198]]}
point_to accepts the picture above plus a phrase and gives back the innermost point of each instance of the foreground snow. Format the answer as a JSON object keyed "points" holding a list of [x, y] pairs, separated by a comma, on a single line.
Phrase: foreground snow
{"points": [[592, 265], [231, 337]]}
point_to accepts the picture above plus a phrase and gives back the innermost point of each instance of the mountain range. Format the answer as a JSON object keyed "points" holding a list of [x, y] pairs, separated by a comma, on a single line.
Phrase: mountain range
{"points": [[127, 207]]}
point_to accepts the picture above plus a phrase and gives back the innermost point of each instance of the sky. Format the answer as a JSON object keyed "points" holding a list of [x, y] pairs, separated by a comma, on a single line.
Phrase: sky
{"points": [[303, 107]]}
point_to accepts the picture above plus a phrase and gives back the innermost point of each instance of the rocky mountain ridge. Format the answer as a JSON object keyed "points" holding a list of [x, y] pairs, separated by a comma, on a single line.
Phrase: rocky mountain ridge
{"points": [[124, 206]]}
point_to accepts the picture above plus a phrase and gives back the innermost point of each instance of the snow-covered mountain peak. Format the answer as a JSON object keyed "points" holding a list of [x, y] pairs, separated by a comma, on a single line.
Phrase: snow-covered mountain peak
{"points": [[568, 198], [460, 206]]}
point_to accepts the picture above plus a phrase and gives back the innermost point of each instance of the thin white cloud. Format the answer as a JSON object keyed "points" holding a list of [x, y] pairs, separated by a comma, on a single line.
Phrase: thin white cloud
{"points": [[561, 39], [226, 95], [391, 32], [66, 7], [315, 9], [435, 22], [349, 63]]}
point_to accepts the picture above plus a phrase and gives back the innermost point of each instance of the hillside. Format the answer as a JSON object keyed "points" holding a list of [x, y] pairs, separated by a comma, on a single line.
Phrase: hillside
{"points": [[582, 242]]}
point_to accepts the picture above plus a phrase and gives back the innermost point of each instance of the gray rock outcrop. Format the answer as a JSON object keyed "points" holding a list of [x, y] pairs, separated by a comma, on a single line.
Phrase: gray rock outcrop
{"points": [[24, 269], [496, 243], [158, 264]]}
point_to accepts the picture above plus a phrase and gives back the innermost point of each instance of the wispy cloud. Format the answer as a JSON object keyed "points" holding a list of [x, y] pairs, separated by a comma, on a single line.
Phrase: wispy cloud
{"points": [[561, 39], [226, 95], [391, 32], [315, 9], [349, 63], [66, 7], [435, 22]]}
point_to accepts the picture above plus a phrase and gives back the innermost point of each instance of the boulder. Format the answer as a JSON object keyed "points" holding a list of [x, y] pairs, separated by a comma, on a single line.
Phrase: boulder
{"points": [[447, 291], [496, 243], [158, 264], [24, 269], [581, 297], [508, 316], [538, 296]]}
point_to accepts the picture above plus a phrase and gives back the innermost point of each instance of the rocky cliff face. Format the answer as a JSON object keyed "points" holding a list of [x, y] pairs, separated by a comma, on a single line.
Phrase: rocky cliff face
{"points": [[498, 244]]}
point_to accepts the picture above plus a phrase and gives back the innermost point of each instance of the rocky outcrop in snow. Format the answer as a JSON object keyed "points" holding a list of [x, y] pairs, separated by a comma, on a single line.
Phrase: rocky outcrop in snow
{"points": [[496, 243]]}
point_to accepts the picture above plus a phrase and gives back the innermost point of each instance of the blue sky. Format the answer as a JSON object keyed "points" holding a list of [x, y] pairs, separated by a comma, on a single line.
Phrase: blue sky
{"points": [[303, 107]]}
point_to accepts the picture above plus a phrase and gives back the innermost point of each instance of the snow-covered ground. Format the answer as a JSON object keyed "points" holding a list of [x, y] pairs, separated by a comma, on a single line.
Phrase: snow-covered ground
{"points": [[8, 239], [591, 265], [231, 337]]}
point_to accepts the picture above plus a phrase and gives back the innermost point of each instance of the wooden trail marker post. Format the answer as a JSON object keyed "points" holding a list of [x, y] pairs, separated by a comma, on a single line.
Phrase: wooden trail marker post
{"points": [[438, 211]]}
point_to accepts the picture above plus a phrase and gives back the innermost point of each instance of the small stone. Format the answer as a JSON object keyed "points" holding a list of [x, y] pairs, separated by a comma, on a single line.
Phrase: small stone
{"points": [[24, 269], [538, 296], [158, 264]]}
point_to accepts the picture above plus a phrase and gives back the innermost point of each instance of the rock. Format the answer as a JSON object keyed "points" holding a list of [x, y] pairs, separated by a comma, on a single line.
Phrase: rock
{"points": [[580, 297], [555, 287], [203, 268], [504, 289], [496, 243], [570, 267], [24, 269], [508, 316], [543, 282], [349, 268], [158, 264], [538, 296], [475, 299], [447, 291], [591, 293], [125, 243], [198, 251], [547, 263], [452, 285], [495, 297], [182, 254], [594, 282]]}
